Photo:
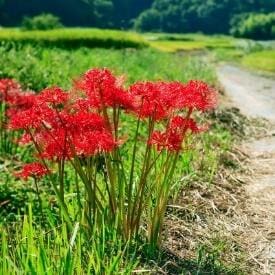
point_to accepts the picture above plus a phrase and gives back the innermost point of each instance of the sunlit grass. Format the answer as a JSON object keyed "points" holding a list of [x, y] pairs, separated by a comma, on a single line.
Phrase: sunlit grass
{"points": [[74, 37], [263, 60], [31, 248], [38, 68], [188, 42]]}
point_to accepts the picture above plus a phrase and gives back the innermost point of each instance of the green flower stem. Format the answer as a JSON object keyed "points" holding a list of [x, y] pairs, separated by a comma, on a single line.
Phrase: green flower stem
{"points": [[130, 186]]}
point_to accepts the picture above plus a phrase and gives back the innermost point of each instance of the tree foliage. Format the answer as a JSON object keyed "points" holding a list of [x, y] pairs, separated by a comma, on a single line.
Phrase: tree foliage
{"points": [[99, 13], [254, 25], [208, 16], [41, 22]]}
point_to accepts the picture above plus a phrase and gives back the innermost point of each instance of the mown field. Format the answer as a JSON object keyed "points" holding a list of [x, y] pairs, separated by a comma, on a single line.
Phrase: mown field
{"points": [[247, 53], [74, 37], [33, 244]]}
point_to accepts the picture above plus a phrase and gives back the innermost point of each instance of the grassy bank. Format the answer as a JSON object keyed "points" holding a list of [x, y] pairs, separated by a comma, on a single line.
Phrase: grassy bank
{"points": [[39, 67], [188, 42], [248, 53], [74, 38], [263, 61]]}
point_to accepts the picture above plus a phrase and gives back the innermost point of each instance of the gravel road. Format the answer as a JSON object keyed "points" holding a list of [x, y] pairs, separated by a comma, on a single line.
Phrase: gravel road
{"points": [[254, 95]]}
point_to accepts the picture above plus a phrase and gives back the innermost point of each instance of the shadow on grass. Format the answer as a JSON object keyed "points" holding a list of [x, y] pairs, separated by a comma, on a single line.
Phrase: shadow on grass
{"points": [[206, 262]]}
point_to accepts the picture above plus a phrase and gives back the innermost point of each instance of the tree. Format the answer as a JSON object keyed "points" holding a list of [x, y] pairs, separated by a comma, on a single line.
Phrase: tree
{"points": [[44, 21], [209, 16], [102, 11], [254, 25], [149, 20], [126, 10]]}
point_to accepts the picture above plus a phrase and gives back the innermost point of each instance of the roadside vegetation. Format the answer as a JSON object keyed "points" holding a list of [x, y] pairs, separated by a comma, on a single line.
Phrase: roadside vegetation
{"points": [[251, 54], [254, 26], [30, 240], [263, 61]]}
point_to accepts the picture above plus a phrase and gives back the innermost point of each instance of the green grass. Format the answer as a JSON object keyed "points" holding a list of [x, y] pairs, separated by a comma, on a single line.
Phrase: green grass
{"points": [[251, 54], [263, 61], [74, 38], [38, 68], [225, 48], [188, 42], [227, 55], [28, 248], [37, 250]]}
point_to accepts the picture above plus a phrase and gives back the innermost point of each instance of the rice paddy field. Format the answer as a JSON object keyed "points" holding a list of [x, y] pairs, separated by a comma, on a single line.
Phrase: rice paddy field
{"points": [[36, 238]]}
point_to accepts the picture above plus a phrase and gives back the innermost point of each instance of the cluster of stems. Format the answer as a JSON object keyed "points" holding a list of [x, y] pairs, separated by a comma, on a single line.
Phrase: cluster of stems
{"points": [[126, 181]]}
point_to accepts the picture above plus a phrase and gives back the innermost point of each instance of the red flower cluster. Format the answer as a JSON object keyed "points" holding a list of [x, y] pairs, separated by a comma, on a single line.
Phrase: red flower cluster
{"points": [[35, 170], [59, 131], [172, 138], [103, 89], [164, 100], [160, 100], [198, 95], [154, 99], [64, 124], [7, 87], [13, 96]]}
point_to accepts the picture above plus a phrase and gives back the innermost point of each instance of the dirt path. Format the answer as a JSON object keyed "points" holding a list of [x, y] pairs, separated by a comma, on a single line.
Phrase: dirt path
{"points": [[254, 95]]}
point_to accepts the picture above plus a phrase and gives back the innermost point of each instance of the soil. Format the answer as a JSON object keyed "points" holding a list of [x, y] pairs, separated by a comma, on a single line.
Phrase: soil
{"points": [[254, 95]]}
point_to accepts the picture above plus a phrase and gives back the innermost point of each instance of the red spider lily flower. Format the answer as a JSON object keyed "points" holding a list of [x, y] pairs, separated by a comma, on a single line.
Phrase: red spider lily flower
{"points": [[68, 135], [6, 86], [174, 135], [103, 89], [183, 124], [53, 95], [89, 135], [10, 92], [94, 142], [159, 139], [198, 95], [34, 170], [38, 110], [83, 105], [153, 99], [61, 144], [54, 144], [82, 122], [24, 139], [33, 117], [21, 102], [171, 141], [14, 97], [174, 141]]}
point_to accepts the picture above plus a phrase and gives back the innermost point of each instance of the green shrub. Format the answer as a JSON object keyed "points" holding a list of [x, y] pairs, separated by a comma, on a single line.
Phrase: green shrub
{"points": [[148, 20], [44, 21], [255, 26]]}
